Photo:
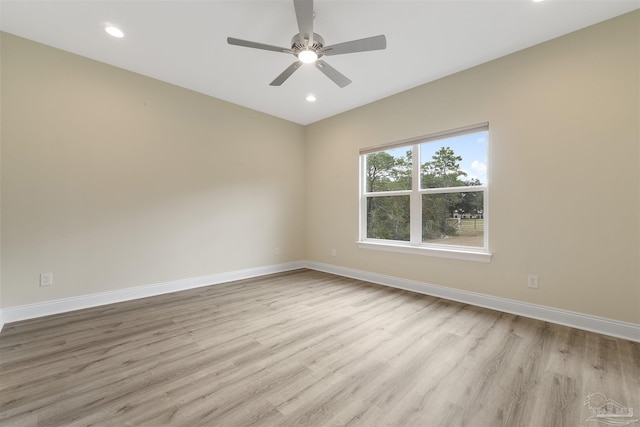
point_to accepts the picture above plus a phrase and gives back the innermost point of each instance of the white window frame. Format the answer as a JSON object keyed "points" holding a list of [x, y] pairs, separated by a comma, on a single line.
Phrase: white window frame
{"points": [[415, 245]]}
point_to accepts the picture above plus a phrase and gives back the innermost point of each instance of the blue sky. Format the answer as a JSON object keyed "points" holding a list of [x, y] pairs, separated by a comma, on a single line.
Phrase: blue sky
{"points": [[471, 147]]}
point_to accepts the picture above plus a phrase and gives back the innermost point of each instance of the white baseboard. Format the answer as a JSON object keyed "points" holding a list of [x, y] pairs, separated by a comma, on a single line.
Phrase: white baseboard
{"points": [[31, 311], [629, 331]]}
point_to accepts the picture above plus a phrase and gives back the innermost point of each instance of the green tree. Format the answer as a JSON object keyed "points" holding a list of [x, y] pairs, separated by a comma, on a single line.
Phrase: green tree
{"points": [[472, 202], [387, 173], [388, 216], [379, 171], [442, 171]]}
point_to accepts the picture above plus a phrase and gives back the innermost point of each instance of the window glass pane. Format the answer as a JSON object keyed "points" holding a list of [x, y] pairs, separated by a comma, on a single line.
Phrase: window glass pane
{"points": [[453, 219], [389, 170], [454, 162], [388, 218]]}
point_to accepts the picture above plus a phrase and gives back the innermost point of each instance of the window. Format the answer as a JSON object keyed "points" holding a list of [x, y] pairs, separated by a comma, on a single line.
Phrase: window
{"points": [[427, 195]]}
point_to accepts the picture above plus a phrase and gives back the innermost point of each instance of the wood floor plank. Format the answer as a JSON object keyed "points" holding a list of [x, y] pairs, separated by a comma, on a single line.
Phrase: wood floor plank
{"points": [[306, 348]]}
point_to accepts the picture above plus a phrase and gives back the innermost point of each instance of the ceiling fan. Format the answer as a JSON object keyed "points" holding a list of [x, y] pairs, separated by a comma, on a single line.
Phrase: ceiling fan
{"points": [[308, 47]]}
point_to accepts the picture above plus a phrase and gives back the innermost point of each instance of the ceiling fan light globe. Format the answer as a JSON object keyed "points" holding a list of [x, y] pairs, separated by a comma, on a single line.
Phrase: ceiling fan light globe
{"points": [[307, 56]]}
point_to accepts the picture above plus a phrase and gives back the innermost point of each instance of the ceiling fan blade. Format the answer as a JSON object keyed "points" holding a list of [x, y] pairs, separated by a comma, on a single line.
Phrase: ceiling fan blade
{"points": [[286, 74], [361, 45], [335, 75], [255, 45], [304, 14]]}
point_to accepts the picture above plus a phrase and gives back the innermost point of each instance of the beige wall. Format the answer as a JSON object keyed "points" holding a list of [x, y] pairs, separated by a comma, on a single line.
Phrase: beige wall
{"points": [[564, 172], [112, 180]]}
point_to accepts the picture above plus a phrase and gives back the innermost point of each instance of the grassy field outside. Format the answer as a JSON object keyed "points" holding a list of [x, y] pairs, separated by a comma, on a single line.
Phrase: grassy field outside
{"points": [[470, 233]]}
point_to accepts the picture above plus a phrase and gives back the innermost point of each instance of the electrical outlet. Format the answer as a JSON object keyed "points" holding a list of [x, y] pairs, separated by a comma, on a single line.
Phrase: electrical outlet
{"points": [[276, 251], [46, 279], [532, 281], [333, 252]]}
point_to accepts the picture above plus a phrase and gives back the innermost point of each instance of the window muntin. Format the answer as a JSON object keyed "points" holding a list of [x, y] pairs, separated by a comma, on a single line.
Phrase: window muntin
{"points": [[438, 202]]}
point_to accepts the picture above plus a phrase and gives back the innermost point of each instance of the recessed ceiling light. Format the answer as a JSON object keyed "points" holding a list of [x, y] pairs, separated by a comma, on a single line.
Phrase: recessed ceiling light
{"points": [[114, 31], [311, 98], [537, 1]]}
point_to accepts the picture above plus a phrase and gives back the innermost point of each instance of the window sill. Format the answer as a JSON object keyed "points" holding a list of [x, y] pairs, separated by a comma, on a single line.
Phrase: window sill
{"points": [[451, 253]]}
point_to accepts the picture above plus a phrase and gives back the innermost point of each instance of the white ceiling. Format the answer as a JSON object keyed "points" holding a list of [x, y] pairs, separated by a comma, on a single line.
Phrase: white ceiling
{"points": [[184, 42]]}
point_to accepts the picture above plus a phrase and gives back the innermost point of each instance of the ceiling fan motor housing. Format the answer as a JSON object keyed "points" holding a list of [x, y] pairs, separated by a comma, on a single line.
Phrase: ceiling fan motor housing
{"points": [[300, 43]]}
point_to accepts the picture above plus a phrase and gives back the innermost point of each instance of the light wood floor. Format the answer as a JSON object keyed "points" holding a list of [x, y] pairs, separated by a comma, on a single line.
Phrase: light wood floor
{"points": [[306, 349]]}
